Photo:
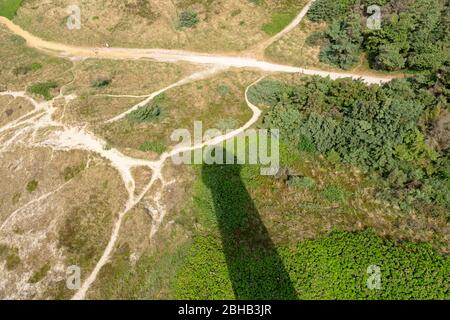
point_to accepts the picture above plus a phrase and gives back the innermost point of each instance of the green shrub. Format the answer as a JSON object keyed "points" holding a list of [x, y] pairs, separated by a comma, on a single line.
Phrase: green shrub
{"points": [[345, 40], [301, 183], [12, 259], [306, 144], [35, 66], [17, 40], [70, 172], [32, 185], [278, 23], [8, 8], [236, 12], [153, 146], [316, 39], [43, 89], [412, 36], [40, 274]]}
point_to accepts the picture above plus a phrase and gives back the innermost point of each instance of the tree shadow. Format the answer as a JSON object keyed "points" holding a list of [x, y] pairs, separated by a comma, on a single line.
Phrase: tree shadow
{"points": [[255, 268]]}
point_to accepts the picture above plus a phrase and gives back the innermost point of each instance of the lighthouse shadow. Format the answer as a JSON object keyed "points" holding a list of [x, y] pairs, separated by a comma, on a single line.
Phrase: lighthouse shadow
{"points": [[255, 268]]}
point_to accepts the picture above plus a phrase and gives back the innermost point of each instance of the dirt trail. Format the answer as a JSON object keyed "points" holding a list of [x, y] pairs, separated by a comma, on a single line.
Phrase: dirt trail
{"points": [[163, 55]]}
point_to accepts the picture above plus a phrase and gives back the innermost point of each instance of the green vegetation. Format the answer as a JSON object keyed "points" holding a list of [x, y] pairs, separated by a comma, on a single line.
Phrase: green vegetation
{"points": [[11, 255], [101, 82], [332, 267], [187, 19], [141, 8], [151, 277], [334, 193], [223, 90], [153, 111], [278, 23], [246, 261], [17, 40], [145, 114], [153, 146], [25, 69], [8, 8], [40, 274], [344, 42], [327, 10], [43, 89], [386, 130], [414, 34], [32, 185], [301, 183], [71, 172], [86, 230], [227, 124]]}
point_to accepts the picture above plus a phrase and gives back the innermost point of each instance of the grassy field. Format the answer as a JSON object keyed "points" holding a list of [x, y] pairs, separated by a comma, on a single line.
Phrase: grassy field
{"points": [[8, 8]]}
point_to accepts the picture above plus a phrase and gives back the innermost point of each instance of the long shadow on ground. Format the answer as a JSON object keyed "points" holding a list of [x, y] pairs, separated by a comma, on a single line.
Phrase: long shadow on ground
{"points": [[255, 268]]}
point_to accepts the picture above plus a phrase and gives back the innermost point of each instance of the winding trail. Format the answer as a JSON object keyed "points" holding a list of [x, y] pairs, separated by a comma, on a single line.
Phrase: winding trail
{"points": [[24, 129]]}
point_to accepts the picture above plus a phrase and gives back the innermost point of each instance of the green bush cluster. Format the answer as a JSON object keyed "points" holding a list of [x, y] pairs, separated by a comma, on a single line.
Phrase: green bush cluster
{"points": [[153, 146]]}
